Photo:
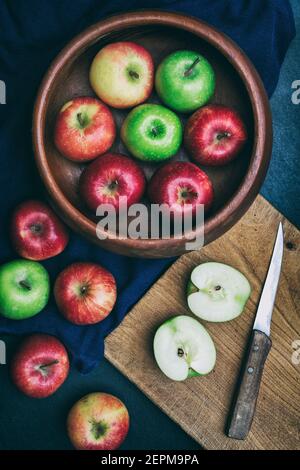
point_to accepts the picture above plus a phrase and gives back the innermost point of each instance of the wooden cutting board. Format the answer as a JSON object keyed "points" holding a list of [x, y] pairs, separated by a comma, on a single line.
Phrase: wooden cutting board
{"points": [[200, 405]]}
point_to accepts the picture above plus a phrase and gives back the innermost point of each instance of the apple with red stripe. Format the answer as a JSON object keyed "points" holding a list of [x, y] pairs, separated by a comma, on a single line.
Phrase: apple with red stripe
{"points": [[85, 293], [215, 135], [40, 366], [122, 74], [36, 232], [98, 421], [84, 129], [182, 186], [110, 177]]}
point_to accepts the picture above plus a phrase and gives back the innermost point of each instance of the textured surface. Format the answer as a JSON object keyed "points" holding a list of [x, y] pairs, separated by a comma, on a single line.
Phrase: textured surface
{"points": [[200, 405], [281, 186]]}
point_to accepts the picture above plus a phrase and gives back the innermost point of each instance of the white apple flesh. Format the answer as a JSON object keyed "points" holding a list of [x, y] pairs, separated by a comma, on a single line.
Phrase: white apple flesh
{"points": [[183, 348], [217, 292]]}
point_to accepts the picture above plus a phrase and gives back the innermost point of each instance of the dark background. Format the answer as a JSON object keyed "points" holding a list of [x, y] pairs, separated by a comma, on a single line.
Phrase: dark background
{"points": [[28, 424]]}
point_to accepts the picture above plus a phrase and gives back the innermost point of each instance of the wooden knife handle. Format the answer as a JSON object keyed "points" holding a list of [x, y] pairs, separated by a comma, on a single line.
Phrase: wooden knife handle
{"points": [[248, 386]]}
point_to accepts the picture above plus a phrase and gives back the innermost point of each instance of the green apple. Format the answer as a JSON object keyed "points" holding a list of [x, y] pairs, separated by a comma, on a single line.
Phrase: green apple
{"points": [[24, 289], [184, 81], [183, 348], [217, 292], [152, 132]]}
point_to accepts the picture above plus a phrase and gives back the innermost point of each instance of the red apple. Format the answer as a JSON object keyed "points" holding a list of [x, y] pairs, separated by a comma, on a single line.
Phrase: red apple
{"points": [[36, 232], [110, 177], [122, 74], [214, 135], [98, 421], [181, 185], [85, 293], [40, 366], [84, 129]]}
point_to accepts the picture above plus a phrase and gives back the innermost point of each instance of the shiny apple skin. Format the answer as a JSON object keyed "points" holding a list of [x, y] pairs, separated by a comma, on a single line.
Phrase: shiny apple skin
{"points": [[116, 169], [202, 131], [36, 231], [93, 137], [171, 180], [98, 421], [85, 293], [110, 74], [36, 351]]}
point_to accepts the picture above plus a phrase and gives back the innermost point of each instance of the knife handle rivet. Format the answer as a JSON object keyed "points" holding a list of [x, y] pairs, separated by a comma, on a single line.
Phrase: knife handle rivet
{"points": [[256, 347], [250, 370]]}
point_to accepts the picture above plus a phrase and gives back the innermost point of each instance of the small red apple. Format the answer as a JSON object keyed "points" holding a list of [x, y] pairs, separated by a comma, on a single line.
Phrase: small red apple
{"points": [[85, 293], [214, 135], [84, 129], [36, 231], [40, 366], [110, 177], [98, 421], [122, 74], [181, 185]]}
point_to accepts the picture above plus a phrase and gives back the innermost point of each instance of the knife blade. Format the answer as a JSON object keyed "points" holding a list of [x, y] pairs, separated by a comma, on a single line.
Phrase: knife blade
{"points": [[244, 402]]}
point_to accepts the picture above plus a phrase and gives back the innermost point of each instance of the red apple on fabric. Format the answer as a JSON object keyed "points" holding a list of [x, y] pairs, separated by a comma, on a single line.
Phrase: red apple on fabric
{"points": [[84, 129], [98, 421], [182, 186], [40, 366], [85, 293], [214, 135], [36, 231], [110, 177], [122, 74]]}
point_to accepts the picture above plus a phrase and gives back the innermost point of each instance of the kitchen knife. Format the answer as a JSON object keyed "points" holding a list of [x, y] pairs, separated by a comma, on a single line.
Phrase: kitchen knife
{"points": [[259, 346]]}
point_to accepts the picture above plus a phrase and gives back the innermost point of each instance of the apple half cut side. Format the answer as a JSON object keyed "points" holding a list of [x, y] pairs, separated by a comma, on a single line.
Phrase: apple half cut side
{"points": [[217, 292], [183, 348]]}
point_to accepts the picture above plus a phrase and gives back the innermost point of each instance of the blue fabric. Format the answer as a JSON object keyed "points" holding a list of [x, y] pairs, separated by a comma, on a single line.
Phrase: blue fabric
{"points": [[31, 34]]}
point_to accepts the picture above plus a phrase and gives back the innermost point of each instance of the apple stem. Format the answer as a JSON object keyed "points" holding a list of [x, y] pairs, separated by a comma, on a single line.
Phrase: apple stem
{"points": [[25, 285], [190, 69], [80, 119], [218, 288], [113, 185], [36, 228], [44, 366], [223, 135], [83, 289], [134, 74]]}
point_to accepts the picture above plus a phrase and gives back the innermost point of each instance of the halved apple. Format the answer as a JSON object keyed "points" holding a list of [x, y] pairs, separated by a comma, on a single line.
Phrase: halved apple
{"points": [[217, 292], [183, 348]]}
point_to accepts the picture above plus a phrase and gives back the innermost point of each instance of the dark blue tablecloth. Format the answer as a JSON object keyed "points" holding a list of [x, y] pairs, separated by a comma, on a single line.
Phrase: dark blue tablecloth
{"points": [[31, 34]]}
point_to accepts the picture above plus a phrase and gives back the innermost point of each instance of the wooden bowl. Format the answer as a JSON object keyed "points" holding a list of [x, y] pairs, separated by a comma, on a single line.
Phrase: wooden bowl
{"points": [[237, 85]]}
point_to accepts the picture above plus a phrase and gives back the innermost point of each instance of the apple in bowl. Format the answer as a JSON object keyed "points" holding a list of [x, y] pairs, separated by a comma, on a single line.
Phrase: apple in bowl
{"points": [[184, 81], [84, 129], [122, 74], [110, 177], [98, 421], [152, 132], [215, 135], [182, 186]]}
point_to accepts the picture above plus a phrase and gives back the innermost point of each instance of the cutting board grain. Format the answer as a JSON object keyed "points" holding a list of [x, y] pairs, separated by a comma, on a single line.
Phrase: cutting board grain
{"points": [[200, 405]]}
